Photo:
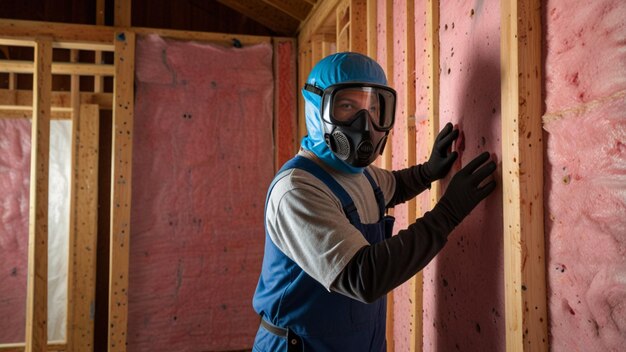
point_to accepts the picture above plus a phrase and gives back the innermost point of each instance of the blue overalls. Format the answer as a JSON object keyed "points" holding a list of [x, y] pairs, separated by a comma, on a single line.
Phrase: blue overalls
{"points": [[298, 313]]}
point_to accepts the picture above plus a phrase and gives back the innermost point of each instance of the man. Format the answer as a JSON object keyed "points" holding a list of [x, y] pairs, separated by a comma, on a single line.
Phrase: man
{"points": [[329, 256]]}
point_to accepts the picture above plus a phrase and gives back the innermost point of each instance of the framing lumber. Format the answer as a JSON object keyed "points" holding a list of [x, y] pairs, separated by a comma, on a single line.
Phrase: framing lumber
{"points": [[121, 167], [122, 13], [83, 228], [432, 68], [320, 20], [37, 287], [386, 157], [522, 150], [416, 283], [58, 68], [20, 347], [371, 25], [358, 26], [23, 99], [304, 68], [90, 37]]}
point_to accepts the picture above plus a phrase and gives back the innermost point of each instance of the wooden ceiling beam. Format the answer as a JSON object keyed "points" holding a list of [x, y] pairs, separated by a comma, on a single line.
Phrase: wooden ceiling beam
{"points": [[267, 15]]}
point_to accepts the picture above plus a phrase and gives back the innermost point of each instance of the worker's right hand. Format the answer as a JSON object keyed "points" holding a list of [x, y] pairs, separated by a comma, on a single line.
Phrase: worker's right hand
{"points": [[464, 191]]}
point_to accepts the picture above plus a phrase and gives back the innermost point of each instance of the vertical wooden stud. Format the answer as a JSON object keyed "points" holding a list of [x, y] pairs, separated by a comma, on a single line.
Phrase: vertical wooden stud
{"points": [[122, 13], [372, 26], [304, 68], [432, 55], [83, 228], [37, 291], [121, 188], [97, 80], [522, 176], [358, 26], [387, 153], [416, 283]]}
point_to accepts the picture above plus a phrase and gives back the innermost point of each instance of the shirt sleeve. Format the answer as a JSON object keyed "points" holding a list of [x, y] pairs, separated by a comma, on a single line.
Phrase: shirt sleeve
{"points": [[306, 222]]}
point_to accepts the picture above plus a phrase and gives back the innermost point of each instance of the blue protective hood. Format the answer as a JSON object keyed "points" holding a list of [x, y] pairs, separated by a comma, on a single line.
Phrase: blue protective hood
{"points": [[337, 68]]}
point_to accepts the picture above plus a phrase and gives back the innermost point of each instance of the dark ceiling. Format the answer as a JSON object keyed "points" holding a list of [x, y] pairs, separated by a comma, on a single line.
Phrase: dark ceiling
{"points": [[253, 17]]}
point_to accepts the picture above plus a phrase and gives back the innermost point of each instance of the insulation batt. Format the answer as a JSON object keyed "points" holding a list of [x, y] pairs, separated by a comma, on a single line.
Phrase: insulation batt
{"points": [[15, 145], [202, 162], [585, 174]]}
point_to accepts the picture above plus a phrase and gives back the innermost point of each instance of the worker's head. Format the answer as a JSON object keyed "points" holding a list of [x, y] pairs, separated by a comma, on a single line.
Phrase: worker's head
{"points": [[349, 110]]}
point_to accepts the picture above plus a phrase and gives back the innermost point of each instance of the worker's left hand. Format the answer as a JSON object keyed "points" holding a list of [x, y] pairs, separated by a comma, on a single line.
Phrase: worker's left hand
{"points": [[441, 159]]}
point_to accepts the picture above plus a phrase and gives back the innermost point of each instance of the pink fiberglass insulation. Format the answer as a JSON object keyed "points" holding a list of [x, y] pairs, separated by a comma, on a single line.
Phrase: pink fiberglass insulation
{"points": [[285, 63], [15, 144], [202, 162], [14, 187], [463, 287], [585, 174]]}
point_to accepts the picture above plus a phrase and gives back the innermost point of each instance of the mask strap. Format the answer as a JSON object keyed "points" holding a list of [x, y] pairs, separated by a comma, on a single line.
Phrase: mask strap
{"points": [[313, 89]]}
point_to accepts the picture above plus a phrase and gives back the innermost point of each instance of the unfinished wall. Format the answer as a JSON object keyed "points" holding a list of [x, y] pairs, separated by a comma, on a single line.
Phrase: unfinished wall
{"points": [[463, 296], [15, 148], [202, 161], [585, 174]]}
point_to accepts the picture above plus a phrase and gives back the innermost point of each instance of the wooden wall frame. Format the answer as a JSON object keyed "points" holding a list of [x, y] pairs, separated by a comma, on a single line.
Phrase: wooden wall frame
{"points": [[522, 176], [62, 105], [521, 139]]}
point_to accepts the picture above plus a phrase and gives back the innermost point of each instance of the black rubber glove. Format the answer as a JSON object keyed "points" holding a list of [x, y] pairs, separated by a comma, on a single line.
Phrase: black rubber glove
{"points": [[441, 160], [463, 192]]}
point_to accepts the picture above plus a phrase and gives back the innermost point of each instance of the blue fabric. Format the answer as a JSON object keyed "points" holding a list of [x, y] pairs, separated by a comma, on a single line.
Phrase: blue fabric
{"points": [[337, 68], [289, 298]]}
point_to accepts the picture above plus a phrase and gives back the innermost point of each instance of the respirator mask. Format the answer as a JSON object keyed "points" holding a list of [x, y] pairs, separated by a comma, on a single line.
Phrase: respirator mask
{"points": [[356, 119]]}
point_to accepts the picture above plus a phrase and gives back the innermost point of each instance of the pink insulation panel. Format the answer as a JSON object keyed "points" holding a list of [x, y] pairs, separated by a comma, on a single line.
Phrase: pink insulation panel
{"points": [[585, 174], [463, 286], [14, 187], [202, 162]]}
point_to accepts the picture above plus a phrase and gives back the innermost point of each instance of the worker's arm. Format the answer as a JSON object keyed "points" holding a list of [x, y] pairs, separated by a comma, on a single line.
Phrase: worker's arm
{"points": [[377, 269], [415, 179]]}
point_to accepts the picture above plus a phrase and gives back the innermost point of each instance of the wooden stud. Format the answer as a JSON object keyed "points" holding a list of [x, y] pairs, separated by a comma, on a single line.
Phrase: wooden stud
{"points": [[122, 13], [358, 26], [83, 228], [304, 68], [37, 287], [389, 35], [387, 154], [416, 283], [97, 80], [121, 155], [522, 176], [342, 24], [432, 67], [372, 26]]}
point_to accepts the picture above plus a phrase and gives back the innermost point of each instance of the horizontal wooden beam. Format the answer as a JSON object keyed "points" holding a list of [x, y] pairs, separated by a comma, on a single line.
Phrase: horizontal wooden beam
{"points": [[90, 37], [30, 42], [19, 347], [58, 68], [24, 98]]}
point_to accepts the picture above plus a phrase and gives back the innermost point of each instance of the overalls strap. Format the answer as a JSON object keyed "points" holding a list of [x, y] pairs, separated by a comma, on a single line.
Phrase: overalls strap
{"points": [[313, 168], [380, 198]]}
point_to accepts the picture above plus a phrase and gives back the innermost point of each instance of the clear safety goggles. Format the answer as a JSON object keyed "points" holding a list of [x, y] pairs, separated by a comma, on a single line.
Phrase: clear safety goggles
{"points": [[342, 103]]}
